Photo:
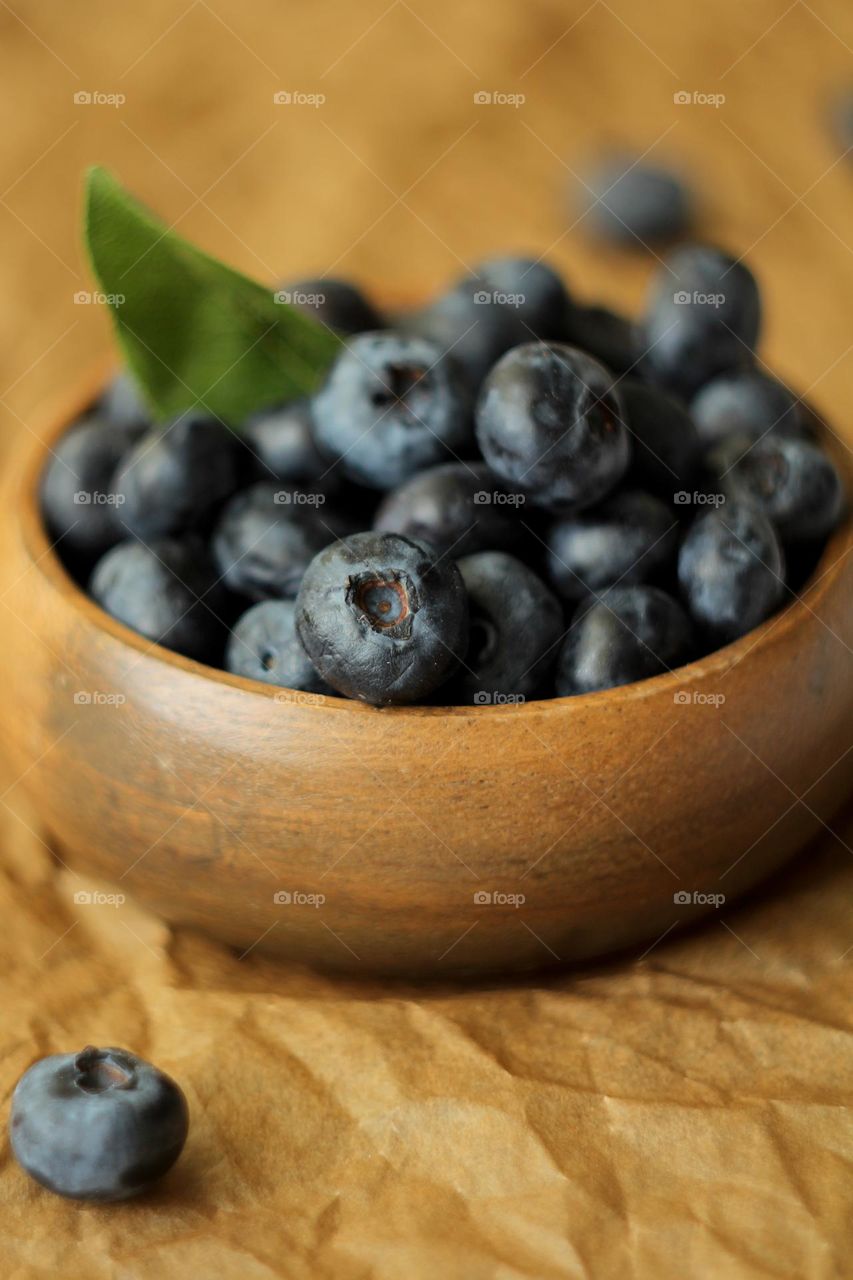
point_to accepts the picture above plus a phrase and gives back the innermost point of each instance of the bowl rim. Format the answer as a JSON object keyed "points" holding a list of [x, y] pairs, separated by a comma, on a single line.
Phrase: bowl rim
{"points": [[63, 412]]}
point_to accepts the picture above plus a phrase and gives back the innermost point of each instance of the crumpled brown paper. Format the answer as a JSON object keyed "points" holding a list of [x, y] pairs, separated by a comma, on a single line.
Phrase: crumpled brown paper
{"points": [[677, 1115]]}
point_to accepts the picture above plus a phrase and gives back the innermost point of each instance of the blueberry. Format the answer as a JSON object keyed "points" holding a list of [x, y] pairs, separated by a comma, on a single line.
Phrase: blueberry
{"points": [[731, 570], [469, 326], [664, 439], [98, 1125], [636, 204], [792, 482], [515, 624], [501, 304], [625, 540], [264, 646], [745, 401], [264, 541], [381, 618], [78, 502], [812, 422], [604, 334], [703, 318], [335, 303], [175, 476], [389, 407], [549, 422], [166, 591], [122, 404], [533, 291], [458, 507], [841, 119], [716, 461], [628, 634], [801, 562], [344, 507], [282, 440]]}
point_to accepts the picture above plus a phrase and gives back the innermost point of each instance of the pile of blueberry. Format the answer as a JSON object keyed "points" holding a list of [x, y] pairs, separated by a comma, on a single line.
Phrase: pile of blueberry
{"points": [[503, 495]]}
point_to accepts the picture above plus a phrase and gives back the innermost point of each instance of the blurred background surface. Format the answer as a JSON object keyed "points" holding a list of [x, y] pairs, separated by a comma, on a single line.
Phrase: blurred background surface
{"points": [[397, 175]]}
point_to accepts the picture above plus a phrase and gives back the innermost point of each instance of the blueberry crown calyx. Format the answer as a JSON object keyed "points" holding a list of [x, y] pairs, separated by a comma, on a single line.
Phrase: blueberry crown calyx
{"points": [[98, 1070], [385, 602]]}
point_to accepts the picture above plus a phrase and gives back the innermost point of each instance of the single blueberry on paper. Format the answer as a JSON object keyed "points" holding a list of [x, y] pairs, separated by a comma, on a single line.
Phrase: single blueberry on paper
{"points": [[97, 1125]]}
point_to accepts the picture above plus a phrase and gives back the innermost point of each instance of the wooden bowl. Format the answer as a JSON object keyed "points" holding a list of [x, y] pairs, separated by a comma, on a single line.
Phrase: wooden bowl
{"points": [[419, 841]]}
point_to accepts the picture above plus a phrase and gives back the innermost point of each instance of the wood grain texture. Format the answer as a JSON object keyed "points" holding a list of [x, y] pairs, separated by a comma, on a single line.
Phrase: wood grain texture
{"points": [[291, 821]]}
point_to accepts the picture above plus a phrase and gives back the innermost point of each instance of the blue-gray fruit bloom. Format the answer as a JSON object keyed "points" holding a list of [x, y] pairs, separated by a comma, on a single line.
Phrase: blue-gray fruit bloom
{"points": [[382, 618], [551, 423], [390, 406], [101, 1124]]}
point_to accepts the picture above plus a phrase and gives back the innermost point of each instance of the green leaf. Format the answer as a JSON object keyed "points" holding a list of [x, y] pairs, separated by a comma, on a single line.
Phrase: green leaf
{"points": [[194, 332]]}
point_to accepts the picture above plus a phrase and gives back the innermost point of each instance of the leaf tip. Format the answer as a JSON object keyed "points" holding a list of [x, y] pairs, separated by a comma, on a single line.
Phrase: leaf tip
{"points": [[97, 180]]}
